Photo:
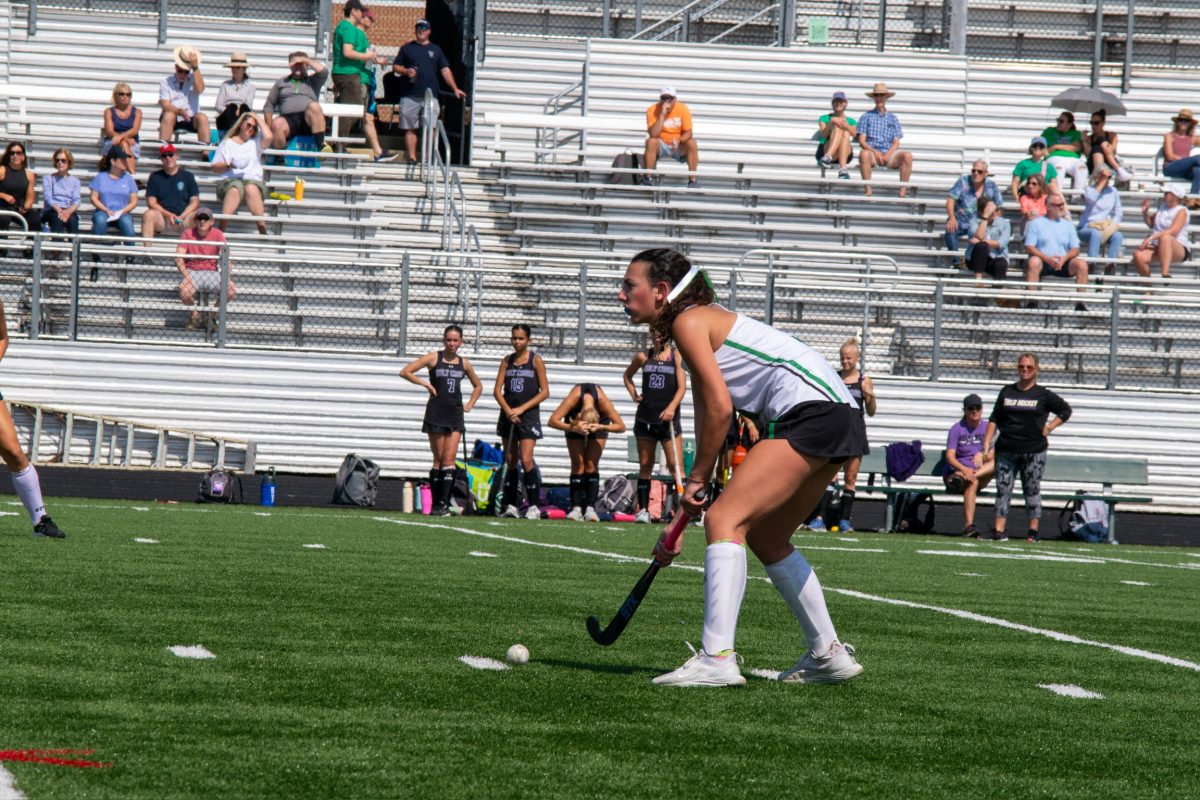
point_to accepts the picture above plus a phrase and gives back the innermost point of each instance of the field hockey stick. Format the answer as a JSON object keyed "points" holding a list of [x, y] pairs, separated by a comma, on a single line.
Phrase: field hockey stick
{"points": [[625, 613], [503, 479]]}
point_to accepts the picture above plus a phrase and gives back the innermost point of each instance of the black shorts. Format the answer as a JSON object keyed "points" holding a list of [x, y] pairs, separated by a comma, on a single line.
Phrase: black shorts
{"points": [[657, 431], [530, 427], [297, 124], [433, 427], [579, 437], [182, 124], [822, 429]]}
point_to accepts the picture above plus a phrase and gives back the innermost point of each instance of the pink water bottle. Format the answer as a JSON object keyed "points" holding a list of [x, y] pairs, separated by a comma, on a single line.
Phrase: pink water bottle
{"points": [[426, 498]]}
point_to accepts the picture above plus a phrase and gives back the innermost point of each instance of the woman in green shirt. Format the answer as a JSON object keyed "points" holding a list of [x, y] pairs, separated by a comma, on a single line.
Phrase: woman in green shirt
{"points": [[1036, 164], [1065, 146]]}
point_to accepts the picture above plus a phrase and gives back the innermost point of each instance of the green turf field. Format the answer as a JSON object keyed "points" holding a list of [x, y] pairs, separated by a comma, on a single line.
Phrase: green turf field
{"points": [[338, 674]]}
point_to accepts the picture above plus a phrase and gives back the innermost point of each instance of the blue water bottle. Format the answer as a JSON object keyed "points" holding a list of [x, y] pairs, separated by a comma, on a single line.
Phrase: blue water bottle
{"points": [[266, 490]]}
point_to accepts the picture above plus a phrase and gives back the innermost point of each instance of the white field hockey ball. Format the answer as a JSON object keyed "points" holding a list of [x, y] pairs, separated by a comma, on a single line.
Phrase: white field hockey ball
{"points": [[518, 654]]}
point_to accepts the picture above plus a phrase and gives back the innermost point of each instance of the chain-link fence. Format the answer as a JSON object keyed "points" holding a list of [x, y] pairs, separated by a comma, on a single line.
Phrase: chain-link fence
{"points": [[1119, 334], [272, 10]]}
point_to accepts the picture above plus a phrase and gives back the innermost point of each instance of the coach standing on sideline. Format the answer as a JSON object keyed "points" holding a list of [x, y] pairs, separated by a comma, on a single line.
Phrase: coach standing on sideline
{"points": [[1020, 415]]}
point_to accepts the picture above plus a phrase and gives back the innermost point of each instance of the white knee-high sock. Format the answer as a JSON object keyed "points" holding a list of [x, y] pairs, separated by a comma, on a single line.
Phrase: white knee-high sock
{"points": [[724, 586], [801, 590], [29, 489]]}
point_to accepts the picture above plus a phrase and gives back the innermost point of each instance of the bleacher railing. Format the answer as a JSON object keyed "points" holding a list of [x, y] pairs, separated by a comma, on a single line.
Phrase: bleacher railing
{"points": [[457, 234]]}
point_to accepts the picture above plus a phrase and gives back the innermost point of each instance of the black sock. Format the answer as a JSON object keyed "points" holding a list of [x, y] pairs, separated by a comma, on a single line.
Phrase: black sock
{"points": [[319, 138], [591, 488], [447, 485], [576, 490], [847, 504], [435, 485], [822, 506], [512, 491], [532, 485], [643, 494]]}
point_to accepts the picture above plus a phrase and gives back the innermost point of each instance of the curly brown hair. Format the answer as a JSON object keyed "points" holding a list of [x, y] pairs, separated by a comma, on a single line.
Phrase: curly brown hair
{"points": [[669, 266]]}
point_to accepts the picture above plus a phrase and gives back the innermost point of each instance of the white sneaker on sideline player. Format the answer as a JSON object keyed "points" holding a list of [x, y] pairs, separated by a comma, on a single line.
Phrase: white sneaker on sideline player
{"points": [[836, 666], [533, 512], [643, 517], [590, 515], [512, 512], [704, 670], [575, 514]]}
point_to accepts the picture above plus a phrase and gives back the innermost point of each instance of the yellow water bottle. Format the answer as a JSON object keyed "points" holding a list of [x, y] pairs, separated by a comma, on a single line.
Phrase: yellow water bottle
{"points": [[298, 191]]}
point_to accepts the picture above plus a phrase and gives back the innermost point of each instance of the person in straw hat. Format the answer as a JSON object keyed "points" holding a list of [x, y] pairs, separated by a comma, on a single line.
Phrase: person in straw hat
{"points": [[1178, 162], [879, 135], [179, 97], [236, 95]]}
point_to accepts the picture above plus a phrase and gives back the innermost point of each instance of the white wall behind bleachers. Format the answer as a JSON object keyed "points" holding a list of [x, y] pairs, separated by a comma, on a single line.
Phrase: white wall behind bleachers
{"points": [[307, 410]]}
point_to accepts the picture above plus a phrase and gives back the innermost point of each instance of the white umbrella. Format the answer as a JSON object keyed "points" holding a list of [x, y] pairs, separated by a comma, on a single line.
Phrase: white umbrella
{"points": [[1084, 99]]}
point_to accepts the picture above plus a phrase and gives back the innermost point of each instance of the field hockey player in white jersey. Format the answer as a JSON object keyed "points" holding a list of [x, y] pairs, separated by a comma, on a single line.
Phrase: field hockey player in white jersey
{"points": [[813, 426]]}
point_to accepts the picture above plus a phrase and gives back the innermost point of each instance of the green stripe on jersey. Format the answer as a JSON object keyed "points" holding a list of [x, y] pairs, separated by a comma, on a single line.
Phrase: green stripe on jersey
{"points": [[776, 360]]}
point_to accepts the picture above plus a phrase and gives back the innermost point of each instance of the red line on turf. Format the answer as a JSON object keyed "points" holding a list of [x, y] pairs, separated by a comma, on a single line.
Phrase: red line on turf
{"points": [[53, 757]]}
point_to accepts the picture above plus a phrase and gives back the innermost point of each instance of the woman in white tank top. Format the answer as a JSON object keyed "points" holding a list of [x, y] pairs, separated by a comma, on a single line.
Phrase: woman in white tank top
{"points": [[1168, 239], [812, 425]]}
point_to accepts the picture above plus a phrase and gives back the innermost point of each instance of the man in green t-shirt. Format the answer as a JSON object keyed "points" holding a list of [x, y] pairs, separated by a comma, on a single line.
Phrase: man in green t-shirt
{"points": [[352, 60], [836, 135], [1036, 164]]}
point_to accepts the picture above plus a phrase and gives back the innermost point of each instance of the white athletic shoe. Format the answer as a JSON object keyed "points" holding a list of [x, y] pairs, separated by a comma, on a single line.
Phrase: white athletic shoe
{"points": [[533, 512], [704, 670], [836, 666], [511, 512], [590, 515], [576, 514], [642, 517]]}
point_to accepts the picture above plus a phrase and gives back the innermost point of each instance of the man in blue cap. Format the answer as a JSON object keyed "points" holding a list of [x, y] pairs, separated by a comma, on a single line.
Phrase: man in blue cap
{"points": [[1036, 164], [421, 62]]}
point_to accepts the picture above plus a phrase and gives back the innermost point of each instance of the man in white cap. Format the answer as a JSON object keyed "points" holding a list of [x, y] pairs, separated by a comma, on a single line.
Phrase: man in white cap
{"points": [[179, 98], [879, 135], [669, 133]]}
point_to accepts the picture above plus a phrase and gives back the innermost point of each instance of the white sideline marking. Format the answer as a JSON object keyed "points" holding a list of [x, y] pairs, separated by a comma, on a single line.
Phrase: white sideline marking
{"points": [[10, 513], [262, 513], [315, 546], [8, 786], [479, 662], [141, 540], [1057, 636], [13, 502], [191, 651], [768, 674], [846, 539], [1071, 690], [1136, 583], [967, 544], [845, 549], [481, 554], [139, 508], [496, 524], [613, 528], [1012, 556], [972, 574]]}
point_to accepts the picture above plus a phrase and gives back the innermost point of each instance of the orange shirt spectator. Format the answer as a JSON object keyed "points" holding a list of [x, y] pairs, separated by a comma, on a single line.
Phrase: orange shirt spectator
{"points": [[677, 122]]}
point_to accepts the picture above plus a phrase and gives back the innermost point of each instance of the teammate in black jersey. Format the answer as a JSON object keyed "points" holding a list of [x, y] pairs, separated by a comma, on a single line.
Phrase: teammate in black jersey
{"points": [[664, 383], [587, 417], [445, 409], [521, 386]]}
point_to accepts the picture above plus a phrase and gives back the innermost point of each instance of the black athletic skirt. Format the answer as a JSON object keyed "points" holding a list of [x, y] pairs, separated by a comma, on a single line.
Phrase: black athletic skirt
{"points": [[530, 426], [822, 429], [433, 427], [657, 431]]}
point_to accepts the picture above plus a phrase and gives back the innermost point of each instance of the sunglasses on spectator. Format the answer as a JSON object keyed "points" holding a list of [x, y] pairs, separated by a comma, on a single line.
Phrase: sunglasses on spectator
{"points": [[979, 172], [1058, 205], [165, 156], [1038, 147], [61, 161], [1026, 367], [124, 94], [974, 408], [203, 218], [18, 152]]}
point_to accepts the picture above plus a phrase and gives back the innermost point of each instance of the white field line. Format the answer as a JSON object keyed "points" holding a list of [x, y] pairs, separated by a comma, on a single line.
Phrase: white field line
{"points": [[8, 786], [143, 540], [1136, 583], [972, 574], [481, 554], [1111, 560], [315, 546], [1071, 690], [1011, 556], [479, 662], [953, 612], [767, 674], [10, 513], [197, 651]]}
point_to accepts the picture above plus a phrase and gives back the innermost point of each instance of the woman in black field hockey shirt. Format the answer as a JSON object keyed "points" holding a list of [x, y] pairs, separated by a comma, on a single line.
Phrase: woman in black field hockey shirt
{"points": [[521, 386]]}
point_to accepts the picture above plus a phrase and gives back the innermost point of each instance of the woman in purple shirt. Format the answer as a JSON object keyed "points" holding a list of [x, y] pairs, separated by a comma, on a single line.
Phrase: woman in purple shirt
{"points": [[61, 195], [968, 470]]}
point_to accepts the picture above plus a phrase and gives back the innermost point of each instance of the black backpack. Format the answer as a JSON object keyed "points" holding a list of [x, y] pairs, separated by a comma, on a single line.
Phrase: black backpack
{"points": [[220, 485], [909, 518], [357, 482]]}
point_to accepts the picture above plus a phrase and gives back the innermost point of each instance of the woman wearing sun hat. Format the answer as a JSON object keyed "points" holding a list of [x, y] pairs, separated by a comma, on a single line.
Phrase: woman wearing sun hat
{"points": [[1168, 237], [1178, 162], [236, 95]]}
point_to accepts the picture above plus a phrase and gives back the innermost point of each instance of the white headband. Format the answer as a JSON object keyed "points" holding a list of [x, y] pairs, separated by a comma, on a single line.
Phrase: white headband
{"points": [[683, 284]]}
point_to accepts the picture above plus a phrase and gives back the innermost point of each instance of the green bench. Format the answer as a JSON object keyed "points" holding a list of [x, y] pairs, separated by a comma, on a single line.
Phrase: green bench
{"points": [[1061, 468]]}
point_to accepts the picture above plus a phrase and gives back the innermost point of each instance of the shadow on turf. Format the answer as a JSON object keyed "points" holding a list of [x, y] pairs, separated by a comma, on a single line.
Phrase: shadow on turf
{"points": [[614, 669]]}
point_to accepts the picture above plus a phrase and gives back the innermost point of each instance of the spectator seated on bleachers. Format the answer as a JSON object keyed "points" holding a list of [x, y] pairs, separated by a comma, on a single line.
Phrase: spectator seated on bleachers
{"points": [[879, 135], [179, 97], [669, 134], [1168, 239], [963, 202], [17, 186], [1064, 143], [1102, 214], [61, 195], [1036, 164], [988, 248], [1178, 162], [968, 469], [1033, 201], [114, 197], [122, 126], [197, 259], [172, 196], [1100, 147], [837, 132], [293, 107], [238, 162], [236, 95], [419, 63], [1053, 247]]}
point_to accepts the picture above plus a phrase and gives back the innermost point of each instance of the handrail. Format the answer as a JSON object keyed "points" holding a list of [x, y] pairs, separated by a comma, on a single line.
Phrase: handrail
{"points": [[685, 16], [436, 169]]}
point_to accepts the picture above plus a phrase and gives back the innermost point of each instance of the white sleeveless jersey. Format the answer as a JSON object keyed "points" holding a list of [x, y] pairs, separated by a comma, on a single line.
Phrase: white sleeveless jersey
{"points": [[768, 372]]}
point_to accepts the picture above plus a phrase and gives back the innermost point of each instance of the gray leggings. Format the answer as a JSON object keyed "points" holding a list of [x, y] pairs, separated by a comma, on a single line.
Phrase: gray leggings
{"points": [[1031, 466]]}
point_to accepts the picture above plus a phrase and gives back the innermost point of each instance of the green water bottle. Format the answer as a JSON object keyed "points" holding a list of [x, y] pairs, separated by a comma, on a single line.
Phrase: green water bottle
{"points": [[689, 455]]}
